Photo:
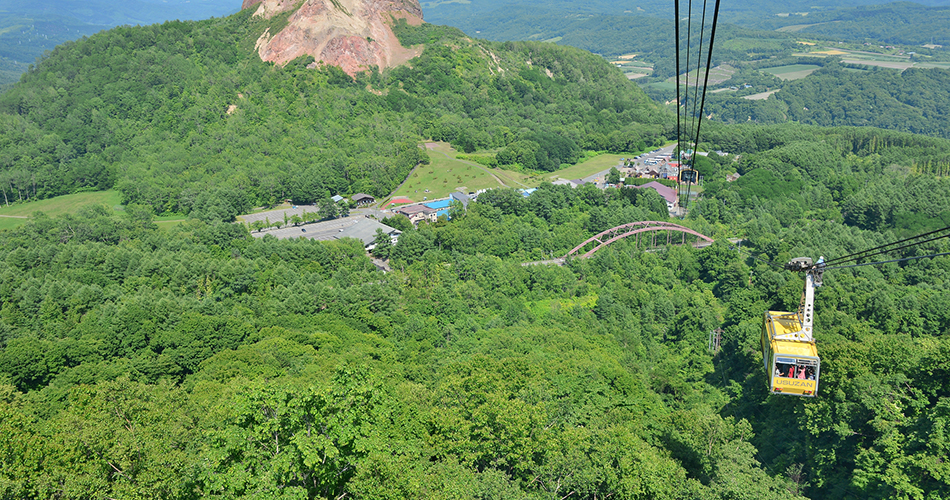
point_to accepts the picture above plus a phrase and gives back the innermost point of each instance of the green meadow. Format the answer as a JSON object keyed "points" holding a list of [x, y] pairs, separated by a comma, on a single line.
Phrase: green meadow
{"points": [[445, 174], [16, 214]]}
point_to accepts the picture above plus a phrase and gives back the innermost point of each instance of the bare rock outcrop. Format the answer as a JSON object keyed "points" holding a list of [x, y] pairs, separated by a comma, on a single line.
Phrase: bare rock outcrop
{"points": [[351, 34]]}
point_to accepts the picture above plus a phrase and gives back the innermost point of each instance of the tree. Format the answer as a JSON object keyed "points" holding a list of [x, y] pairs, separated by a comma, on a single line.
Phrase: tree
{"points": [[400, 222], [383, 245], [613, 177], [328, 209]]}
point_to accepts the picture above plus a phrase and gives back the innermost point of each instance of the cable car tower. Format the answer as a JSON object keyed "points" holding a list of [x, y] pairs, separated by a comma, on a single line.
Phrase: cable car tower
{"points": [[788, 343]]}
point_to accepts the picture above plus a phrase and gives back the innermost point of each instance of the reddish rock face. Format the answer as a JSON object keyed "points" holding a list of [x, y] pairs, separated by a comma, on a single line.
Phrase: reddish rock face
{"points": [[351, 34]]}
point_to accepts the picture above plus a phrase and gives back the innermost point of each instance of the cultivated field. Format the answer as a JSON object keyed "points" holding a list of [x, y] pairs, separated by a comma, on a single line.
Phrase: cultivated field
{"points": [[632, 68], [717, 75], [899, 62], [792, 71], [792, 28], [901, 65], [761, 96]]}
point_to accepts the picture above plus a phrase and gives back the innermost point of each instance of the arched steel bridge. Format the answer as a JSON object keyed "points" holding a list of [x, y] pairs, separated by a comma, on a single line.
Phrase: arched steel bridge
{"points": [[636, 229], [644, 230]]}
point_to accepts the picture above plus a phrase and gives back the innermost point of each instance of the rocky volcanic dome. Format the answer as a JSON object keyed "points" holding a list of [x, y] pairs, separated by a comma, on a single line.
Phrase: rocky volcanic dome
{"points": [[351, 34]]}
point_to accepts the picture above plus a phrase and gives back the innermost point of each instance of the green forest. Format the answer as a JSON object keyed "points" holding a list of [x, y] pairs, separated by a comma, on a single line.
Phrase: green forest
{"points": [[914, 100], [197, 361]]}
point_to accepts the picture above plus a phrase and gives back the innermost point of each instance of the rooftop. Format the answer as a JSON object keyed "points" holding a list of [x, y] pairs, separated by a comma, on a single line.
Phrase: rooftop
{"points": [[365, 230], [668, 193], [414, 209]]}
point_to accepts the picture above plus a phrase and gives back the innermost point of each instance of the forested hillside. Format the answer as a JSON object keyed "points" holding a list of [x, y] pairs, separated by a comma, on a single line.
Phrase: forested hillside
{"points": [[913, 100], [28, 29], [201, 362], [186, 118], [650, 38], [893, 23]]}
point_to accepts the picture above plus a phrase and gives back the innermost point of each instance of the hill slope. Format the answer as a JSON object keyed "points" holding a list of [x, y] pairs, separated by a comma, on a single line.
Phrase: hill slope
{"points": [[185, 116], [27, 29]]}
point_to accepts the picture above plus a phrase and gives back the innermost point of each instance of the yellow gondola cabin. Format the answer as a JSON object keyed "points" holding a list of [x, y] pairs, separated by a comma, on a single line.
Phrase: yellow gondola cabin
{"points": [[792, 365]]}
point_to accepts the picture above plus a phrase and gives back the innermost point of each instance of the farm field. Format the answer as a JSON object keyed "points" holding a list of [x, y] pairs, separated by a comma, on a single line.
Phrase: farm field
{"points": [[901, 65], [792, 28], [631, 68], [761, 96], [717, 75], [666, 85], [792, 71], [898, 62], [15, 215]]}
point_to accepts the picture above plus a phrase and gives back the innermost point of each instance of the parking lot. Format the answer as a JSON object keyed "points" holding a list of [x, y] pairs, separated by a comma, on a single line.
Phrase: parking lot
{"points": [[324, 231]]}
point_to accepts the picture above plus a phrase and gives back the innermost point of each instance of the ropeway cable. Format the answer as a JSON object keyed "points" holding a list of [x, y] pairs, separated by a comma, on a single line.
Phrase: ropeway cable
{"points": [[697, 117], [888, 261], [884, 248]]}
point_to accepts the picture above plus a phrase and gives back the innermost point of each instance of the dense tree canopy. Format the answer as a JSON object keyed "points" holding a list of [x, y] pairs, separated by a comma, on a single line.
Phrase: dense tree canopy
{"points": [[201, 362]]}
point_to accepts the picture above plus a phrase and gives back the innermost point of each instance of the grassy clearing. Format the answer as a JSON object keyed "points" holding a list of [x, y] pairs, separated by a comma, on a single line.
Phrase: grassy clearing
{"points": [[792, 71], [446, 174], [168, 224], [10, 223], [543, 307], [65, 204], [589, 167], [16, 215]]}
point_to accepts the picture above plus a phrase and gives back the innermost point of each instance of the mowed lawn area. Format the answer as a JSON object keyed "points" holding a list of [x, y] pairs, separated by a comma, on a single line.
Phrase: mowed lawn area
{"points": [[446, 174], [592, 166], [15, 215], [792, 71], [18, 214]]}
